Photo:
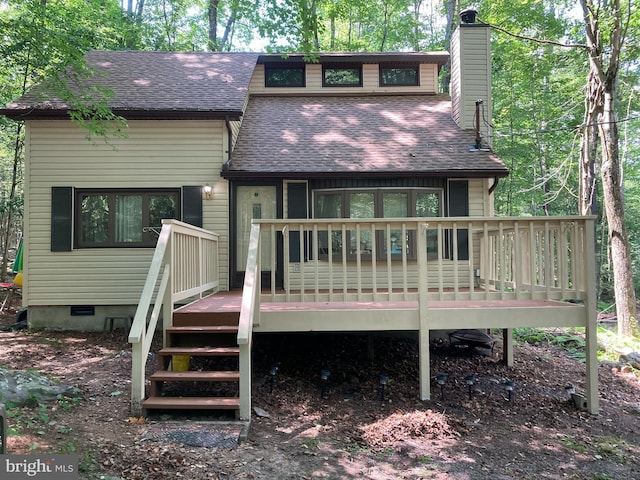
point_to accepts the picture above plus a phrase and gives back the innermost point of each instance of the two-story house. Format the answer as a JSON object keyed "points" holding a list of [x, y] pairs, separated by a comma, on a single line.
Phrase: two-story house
{"points": [[339, 194]]}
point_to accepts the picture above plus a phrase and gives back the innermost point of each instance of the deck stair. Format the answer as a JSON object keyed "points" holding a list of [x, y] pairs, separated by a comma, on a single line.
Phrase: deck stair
{"points": [[211, 381]]}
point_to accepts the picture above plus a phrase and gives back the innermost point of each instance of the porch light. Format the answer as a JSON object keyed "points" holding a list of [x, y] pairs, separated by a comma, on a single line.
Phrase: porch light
{"points": [[207, 190], [441, 378], [509, 386], [470, 380], [384, 381], [273, 372], [324, 377]]}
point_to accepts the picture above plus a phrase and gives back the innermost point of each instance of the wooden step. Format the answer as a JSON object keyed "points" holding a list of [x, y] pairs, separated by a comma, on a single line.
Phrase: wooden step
{"points": [[192, 403], [205, 318], [196, 329], [200, 351], [196, 376]]}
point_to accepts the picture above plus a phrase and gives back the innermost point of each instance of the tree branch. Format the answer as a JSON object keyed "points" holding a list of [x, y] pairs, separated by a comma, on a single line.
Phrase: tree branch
{"points": [[535, 40]]}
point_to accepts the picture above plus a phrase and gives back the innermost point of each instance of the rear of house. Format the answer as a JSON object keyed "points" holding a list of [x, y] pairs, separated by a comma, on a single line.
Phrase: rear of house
{"points": [[364, 185]]}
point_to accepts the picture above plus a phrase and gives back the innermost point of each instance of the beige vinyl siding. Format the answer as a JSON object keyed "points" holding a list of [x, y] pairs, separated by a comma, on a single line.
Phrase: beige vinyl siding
{"points": [[471, 75], [370, 82], [159, 154]]}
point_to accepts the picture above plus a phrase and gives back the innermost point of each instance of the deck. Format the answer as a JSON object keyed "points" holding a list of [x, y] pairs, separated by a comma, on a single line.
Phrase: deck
{"points": [[516, 272]]}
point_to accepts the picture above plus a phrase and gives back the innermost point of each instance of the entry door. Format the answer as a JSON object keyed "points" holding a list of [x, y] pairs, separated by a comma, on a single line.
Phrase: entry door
{"points": [[253, 202]]}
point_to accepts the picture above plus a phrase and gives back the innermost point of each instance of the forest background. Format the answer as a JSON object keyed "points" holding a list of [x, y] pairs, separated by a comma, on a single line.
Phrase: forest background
{"points": [[543, 84]]}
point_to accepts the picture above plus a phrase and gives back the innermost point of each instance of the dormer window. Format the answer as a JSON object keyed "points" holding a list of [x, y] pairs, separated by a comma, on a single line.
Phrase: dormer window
{"points": [[399, 75], [342, 76], [284, 75]]}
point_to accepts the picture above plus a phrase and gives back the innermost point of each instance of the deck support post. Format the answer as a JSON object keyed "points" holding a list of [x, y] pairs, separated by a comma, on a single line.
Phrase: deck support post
{"points": [[591, 344], [591, 329], [507, 346], [425, 365], [423, 313]]}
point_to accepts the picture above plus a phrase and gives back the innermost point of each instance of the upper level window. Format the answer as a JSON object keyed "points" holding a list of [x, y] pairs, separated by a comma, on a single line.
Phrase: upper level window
{"points": [[284, 75], [399, 75], [342, 76], [117, 218]]}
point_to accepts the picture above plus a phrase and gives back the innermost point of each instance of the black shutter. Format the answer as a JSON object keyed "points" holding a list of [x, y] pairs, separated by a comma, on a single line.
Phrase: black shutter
{"points": [[459, 207], [61, 219], [296, 208], [192, 205]]}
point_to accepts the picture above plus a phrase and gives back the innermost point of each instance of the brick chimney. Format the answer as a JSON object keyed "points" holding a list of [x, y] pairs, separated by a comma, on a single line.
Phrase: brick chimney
{"points": [[471, 74]]}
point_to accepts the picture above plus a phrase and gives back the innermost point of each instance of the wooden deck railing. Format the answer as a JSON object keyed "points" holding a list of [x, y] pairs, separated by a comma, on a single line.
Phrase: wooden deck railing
{"points": [[184, 267], [422, 259], [467, 258]]}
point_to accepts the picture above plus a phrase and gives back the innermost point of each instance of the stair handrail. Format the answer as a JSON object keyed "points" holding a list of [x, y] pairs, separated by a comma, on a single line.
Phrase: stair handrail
{"points": [[249, 310]]}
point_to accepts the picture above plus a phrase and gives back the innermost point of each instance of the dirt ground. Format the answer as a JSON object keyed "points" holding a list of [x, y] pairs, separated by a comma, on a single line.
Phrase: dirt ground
{"points": [[347, 428]]}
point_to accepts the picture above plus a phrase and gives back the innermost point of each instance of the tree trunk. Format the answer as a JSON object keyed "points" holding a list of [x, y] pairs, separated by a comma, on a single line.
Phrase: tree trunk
{"points": [[614, 206], [212, 13], [601, 88]]}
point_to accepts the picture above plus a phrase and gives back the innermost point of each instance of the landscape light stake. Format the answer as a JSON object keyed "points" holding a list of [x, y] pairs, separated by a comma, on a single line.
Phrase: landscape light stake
{"points": [[441, 378], [272, 372], [324, 377], [570, 389], [509, 386], [470, 379], [384, 380]]}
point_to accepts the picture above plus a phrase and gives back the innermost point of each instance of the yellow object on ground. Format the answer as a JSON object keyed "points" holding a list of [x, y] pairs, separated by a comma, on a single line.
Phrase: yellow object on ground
{"points": [[180, 363]]}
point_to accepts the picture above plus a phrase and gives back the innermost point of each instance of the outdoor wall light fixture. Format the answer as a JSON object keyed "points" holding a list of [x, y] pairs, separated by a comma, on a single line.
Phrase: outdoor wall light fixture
{"points": [[207, 190], [384, 381], [470, 380], [324, 377], [273, 372], [509, 386], [441, 378]]}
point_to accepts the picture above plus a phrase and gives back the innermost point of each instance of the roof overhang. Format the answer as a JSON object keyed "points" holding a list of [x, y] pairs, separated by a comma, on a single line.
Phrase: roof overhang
{"points": [[63, 114], [244, 175], [439, 58]]}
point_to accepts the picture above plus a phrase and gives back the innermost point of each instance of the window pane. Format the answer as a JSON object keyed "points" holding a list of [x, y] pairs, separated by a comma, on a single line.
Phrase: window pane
{"points": [[95, 219], [428, 204], [400, 76], [128, 218], [160, 207], [361, 205], [329, 206], [395, 205], [285, 77], [342, 76]]}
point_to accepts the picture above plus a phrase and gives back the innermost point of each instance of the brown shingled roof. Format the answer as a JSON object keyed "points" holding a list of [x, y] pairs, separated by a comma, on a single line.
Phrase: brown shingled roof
{"points": [[160, 84], [367, 135]]}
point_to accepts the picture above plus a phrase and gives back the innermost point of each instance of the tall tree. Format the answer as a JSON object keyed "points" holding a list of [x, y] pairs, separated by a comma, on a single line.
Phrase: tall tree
{"points": [[606, 24]]}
